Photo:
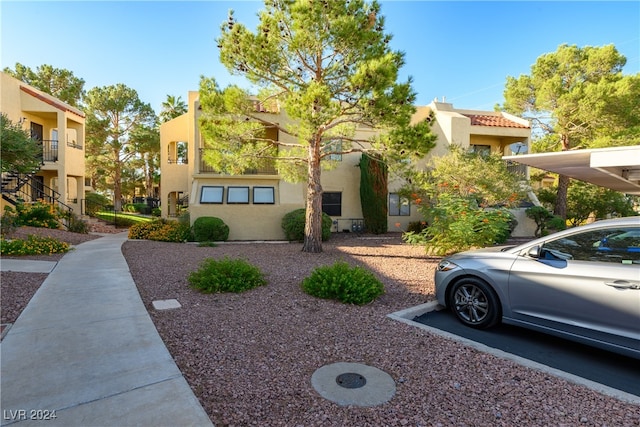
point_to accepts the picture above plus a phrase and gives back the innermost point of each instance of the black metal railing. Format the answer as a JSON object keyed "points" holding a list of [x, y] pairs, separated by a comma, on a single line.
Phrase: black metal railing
{"points": [[264, 170], [24, 188], [516, 168], [49, 150]]}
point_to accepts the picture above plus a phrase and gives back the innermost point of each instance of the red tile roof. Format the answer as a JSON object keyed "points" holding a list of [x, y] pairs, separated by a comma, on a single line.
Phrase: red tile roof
{"points": [[494, 121]]}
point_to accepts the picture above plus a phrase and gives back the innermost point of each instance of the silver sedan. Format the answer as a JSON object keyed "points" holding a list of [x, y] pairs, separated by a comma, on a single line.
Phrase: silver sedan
{"points": [[582, 284]]}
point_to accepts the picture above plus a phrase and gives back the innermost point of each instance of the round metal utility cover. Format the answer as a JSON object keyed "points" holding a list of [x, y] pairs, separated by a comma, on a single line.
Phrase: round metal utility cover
{"points": [[353, 384]]}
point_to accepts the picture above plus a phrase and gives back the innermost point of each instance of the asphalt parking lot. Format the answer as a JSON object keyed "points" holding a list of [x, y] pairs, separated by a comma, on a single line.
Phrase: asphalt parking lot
{"points": [[609, 369]]}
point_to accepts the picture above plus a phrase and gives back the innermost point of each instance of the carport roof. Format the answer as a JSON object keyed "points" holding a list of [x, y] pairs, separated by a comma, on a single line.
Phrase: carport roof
{"points": [[617, 168]]}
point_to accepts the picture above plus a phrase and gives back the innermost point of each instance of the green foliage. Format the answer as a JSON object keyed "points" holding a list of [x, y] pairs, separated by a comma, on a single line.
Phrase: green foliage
{"points": [[37, 214], [341, 282], [586, 201], [210, 229], [327, 97], [373, 193], [577, 97], [416, 226], [293, 225], [57, 82], [119, 126], [161, 230], [76, 225], [546, 222], [95, 202], [226, 275], [457, 224], [172, 108], [33, 245], [156, 212], [18, 152], [463, 198], [8, 221]]}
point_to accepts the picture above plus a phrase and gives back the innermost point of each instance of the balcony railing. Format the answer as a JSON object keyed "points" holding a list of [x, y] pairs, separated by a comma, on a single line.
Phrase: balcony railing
{"points": [[265, 170], [517, 168], [49, 150]]}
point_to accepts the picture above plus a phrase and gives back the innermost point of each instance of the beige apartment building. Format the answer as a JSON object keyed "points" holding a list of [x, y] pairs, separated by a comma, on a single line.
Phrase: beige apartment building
{"points": [[60, 129], [253, 204]]}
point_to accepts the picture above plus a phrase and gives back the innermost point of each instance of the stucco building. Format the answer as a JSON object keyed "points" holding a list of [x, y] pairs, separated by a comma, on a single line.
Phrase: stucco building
{"points": [[60, 129], [253, 204]]}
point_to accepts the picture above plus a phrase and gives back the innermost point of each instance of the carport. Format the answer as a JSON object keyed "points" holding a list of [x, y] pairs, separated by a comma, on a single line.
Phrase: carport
{"points": [[617, 168]]}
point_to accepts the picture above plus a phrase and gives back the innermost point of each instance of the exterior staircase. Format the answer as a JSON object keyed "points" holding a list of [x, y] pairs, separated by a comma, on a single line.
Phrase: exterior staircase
{"points": [[24, 188]]}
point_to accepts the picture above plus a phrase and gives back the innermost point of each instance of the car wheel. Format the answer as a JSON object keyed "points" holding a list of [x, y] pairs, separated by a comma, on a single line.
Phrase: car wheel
{"points": [[474, 303]]}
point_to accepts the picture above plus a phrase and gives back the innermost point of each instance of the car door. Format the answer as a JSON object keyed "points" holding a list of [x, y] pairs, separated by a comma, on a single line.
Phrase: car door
{"points": [[582, 284]]}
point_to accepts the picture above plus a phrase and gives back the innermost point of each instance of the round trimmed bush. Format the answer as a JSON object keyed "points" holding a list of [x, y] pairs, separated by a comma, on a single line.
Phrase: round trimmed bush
{"points": [[350, 285], [210, 229], [226, 275], [293, 225]]}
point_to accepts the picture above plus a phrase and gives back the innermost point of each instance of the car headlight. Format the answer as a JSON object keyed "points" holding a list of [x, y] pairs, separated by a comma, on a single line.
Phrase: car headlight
{"points": [[446, 265]]}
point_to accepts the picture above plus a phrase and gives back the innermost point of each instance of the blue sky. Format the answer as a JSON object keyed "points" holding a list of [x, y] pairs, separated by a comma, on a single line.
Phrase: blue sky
{"points": [[459, 50]]}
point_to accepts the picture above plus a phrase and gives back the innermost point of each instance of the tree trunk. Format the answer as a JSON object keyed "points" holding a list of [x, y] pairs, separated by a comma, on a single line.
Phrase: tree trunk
{"points": [[117, 188], [560, 208], [313, 219], [561, 197]]}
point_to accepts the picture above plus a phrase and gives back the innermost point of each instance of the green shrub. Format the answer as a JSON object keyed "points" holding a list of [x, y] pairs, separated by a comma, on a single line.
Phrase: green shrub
{"points": [[226, 275], [350, 285], [95, 202], [33, 245], [416, 226], [161, 230], [293, 225], [171, 231], [210, 229], [156, 212], [37, 214], [545, 221], [457, 224], [76, 225], [8, 222]]}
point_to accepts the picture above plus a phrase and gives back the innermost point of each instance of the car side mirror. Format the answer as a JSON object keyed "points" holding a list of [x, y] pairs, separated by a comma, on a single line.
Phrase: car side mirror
{"points": [[534, 252]]}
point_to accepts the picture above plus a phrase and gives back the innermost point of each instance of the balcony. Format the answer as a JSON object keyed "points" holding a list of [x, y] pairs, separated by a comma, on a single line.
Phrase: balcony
{"points": [[516, 168], [266, 170], [49, 150]]}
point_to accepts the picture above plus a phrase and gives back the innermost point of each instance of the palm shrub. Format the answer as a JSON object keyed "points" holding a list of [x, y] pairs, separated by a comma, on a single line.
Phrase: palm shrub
{"points": [[226, 275], [210, 229], [341, 282], [293, 225]]}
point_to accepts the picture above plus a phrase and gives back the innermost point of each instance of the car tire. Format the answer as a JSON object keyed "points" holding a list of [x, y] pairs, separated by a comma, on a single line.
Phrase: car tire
{"points": [[474, 303]]}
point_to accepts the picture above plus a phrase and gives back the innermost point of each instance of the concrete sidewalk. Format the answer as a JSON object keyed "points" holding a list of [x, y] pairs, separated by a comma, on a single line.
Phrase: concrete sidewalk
{"points": [[86, 351]]}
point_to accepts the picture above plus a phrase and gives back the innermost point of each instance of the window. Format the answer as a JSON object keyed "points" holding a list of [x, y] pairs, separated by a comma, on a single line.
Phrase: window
{"points": [[618, 245], [398, 206], [482, 150], [263, 196], [237, 195], [211, 194], [332, 203]]}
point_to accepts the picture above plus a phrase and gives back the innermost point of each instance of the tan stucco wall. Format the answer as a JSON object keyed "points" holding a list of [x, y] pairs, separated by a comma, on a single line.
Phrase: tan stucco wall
{"points": [[68, 172], [263, 222]]}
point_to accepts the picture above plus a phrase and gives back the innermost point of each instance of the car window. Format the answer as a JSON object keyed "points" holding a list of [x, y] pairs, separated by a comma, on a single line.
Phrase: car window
{"points": [[619, 245]]}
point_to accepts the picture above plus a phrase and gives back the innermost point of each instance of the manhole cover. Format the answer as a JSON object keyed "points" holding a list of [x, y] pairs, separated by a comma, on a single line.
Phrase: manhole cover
{"points": [[353, 384], [351, 380]]}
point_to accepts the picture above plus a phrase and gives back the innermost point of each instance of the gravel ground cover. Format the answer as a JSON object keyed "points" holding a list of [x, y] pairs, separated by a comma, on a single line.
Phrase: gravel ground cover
{"points": [[249, 357]]}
